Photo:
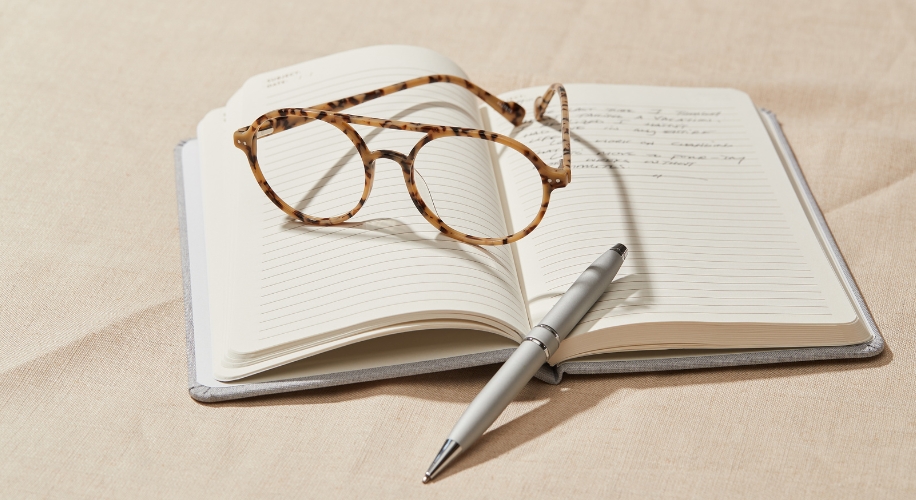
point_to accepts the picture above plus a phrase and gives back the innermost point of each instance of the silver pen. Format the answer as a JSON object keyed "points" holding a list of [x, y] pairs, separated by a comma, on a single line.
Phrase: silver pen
{"points": [[525, 361]]}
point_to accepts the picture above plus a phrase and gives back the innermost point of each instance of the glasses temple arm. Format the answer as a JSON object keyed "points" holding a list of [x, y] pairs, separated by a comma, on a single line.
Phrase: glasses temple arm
{"points": [[540, 106], [511, 111]]}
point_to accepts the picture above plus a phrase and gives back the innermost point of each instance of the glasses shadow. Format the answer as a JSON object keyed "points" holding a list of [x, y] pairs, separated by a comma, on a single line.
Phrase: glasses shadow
{"points": [[382, 228], [387, 227], [334, 170], [634, 242]]}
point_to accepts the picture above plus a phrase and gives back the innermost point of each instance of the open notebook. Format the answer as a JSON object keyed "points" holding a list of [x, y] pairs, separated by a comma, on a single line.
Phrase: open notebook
{"points": [[730, 260]]}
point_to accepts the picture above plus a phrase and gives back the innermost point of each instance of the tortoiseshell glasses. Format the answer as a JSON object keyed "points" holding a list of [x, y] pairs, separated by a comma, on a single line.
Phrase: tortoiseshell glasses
{"points": [[319, 184]]}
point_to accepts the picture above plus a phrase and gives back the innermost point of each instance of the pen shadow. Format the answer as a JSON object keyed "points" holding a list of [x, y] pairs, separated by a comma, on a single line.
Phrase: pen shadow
{"points": [[629, 292], [564, 402], [560, 403]]}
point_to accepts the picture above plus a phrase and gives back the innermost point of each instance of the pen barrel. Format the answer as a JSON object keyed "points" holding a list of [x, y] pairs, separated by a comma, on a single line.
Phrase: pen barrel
{"points": [[529, 356], [535, 349], [584, 292], [498, 393]]}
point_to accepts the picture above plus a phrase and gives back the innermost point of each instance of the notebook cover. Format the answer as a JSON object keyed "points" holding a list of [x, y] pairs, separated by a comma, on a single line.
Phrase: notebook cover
{"points": [[205, 389]]}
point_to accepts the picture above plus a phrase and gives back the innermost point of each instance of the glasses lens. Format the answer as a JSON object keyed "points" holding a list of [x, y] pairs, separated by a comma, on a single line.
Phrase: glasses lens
{"points": [[455, 177], [314, 168]]}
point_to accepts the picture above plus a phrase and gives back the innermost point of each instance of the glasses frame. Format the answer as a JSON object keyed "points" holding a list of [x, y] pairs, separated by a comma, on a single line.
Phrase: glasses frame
{"points": [[279, 120]]}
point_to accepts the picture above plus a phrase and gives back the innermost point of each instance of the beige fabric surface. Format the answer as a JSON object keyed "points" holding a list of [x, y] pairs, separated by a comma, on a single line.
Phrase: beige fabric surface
{"points": [[93, 397]]}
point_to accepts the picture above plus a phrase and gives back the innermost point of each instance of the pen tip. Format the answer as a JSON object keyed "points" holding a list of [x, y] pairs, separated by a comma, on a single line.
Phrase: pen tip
{"points": [[449, 450]]}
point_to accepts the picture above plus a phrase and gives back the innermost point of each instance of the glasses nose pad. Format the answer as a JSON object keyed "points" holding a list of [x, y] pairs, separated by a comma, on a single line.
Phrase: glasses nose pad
{"points": [[423, 189]]}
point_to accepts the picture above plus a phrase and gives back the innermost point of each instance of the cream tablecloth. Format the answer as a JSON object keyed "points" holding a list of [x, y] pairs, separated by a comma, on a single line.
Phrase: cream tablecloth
{"points": [[93, 399]]}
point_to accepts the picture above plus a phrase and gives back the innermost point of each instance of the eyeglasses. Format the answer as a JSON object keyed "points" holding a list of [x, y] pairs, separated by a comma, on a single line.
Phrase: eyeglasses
{"points": [[331, 182]]}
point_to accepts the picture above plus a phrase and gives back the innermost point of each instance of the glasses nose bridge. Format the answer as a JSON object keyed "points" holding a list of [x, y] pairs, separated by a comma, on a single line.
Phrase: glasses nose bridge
{"points": [[395, 156]]}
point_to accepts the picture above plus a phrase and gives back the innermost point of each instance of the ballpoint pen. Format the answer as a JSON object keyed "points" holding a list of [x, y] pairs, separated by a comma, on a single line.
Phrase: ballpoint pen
{"points": [[529, 356]]}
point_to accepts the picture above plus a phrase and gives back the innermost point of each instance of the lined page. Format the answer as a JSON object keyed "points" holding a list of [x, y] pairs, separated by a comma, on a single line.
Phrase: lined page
{"points": [[312, 285], [688, 180]]}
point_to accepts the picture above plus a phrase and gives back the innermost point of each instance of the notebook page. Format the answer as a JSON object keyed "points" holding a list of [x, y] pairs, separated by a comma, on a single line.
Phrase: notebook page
{"points": [[313, 285], [688, 180]]}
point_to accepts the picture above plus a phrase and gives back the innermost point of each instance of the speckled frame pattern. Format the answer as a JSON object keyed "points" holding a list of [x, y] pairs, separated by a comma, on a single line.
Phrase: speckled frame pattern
{"points": [[279, 120]]}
